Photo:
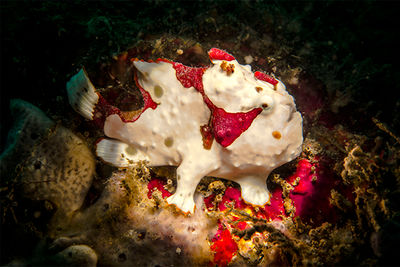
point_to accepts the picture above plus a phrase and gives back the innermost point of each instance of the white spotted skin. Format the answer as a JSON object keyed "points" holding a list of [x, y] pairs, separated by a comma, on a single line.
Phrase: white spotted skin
{"points": [[179, 115], [237, 91]]}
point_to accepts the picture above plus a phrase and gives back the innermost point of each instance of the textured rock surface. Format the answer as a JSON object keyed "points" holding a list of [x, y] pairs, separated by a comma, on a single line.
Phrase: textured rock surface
{"points": [[45, 161], [77, 255]]}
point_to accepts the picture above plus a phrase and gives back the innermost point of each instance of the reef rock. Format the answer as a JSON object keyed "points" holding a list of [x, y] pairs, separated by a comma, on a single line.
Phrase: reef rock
{"points": [[54, 165], [126, 227], [77, 255]]}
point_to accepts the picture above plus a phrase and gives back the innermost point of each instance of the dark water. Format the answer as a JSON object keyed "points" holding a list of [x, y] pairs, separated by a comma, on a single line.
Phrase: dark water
{"points": [[348, 49]]}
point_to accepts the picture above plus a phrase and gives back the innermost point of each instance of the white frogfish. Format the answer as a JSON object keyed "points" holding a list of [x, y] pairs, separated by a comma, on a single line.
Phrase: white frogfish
{"points": [[223, 121]]}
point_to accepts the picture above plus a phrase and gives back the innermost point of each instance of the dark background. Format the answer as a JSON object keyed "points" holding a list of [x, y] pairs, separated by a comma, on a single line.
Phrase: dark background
{"points": [[350, 48]]}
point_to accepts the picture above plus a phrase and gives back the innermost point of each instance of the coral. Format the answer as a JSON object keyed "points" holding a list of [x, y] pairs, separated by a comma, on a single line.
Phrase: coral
{"points": [[360, 170], [224, 247], [128, 221]]}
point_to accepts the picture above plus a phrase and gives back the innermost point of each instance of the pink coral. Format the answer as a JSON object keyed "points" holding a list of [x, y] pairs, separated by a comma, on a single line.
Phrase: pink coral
{"points": [[311, 196], [158, 184], [275, 210], [224, 247], [312, 183]]}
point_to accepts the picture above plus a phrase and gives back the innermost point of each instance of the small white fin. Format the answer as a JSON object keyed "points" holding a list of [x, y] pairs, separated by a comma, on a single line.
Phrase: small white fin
{"points": [[184, 202], [254, 190], [82, 95], [118, 153]]}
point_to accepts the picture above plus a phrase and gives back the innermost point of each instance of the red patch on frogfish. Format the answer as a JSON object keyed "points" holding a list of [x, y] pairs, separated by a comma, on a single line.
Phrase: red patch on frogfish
{"points": [[189, 76], [224, 247], [148, 101], [226, 127], [103, 108], [219, 54], [265, 77]]}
